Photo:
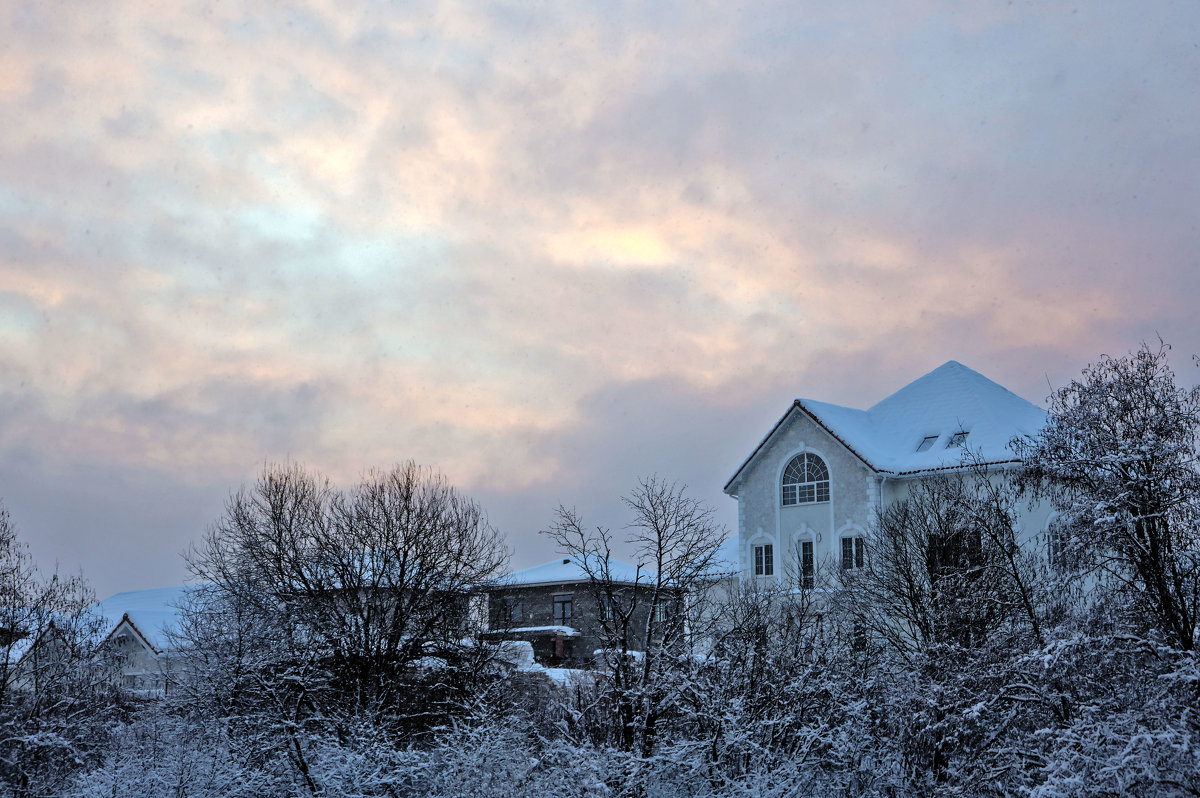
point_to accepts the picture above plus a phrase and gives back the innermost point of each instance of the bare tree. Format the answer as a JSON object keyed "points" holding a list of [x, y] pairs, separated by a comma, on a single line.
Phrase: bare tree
{"points": [[321, 608], [53, 694], [944, 568], [647, 630]]}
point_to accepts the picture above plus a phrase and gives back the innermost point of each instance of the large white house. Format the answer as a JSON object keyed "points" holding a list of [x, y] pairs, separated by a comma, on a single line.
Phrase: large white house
{"points": [[810, 491]]}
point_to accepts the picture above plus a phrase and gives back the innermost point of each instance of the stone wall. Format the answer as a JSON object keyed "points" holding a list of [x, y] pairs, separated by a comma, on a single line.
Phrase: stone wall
{"points": [[537, 612]]}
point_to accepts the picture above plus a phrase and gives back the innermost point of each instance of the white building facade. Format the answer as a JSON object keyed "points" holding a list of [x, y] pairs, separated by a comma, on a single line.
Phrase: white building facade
{"points": [[810, 492]]}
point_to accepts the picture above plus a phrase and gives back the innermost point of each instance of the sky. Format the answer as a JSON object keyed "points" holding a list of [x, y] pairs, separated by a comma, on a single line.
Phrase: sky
{"points": [[550, 248]]}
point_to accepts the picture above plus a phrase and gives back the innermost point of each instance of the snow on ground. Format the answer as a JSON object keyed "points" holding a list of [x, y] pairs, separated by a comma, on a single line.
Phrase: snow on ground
{"points": [[568, 677]]}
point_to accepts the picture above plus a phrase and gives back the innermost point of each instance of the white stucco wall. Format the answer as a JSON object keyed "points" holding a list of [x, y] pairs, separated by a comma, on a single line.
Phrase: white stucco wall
{"points": [[761, 519], [855, 496], [140, 668], [1032, 519]]}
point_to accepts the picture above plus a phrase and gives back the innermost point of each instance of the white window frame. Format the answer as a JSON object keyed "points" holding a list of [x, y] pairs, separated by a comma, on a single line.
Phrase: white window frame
{"points": [[807, 580], [858, 552], [1057, 545], [810, 491], [762, 556]]}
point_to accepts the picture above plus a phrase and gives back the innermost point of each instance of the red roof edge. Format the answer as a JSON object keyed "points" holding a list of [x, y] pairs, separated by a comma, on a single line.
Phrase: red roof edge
{"points": [[126, 619]]}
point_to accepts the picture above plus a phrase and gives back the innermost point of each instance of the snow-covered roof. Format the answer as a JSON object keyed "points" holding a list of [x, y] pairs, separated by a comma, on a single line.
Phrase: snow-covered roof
{"points": [[565, 631], [153, 612], [950, 399], [568, 570]]}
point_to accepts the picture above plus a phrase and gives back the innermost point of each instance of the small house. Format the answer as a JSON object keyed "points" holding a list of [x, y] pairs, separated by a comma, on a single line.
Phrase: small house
{"points": [[563, 613]]}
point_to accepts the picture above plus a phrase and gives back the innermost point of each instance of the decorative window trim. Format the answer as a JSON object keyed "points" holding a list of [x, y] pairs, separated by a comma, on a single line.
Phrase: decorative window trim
{"points": [[852, 557], [815, 487], [806, 568], [806, 562], [1058, 548], [762, 559]]}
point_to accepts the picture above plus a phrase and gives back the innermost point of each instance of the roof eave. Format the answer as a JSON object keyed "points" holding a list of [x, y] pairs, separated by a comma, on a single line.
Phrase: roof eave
{"points": [[565, 583], [1010, 463], [126, 619], [797, 404]]}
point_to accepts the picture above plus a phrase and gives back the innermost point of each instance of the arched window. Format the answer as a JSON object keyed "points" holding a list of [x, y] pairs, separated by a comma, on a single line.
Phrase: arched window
{"points": [[805, 480]]}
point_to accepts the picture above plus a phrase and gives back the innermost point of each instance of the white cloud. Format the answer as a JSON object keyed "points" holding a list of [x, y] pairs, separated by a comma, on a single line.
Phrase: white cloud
{"points": [[356, 233]]}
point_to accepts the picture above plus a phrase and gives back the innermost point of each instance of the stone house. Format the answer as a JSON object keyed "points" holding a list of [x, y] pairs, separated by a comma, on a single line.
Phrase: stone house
{"points": [[811, 489], [558, 609]]}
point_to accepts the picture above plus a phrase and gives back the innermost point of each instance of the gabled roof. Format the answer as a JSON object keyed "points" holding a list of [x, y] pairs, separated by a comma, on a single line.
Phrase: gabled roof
{"points": [[127, 623], [152, 613], [948, 400], [567, 570]]}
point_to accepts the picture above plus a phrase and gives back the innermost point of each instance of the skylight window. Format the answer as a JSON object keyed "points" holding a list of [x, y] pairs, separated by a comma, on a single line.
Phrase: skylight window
{"points": [[957, 439], [927, 443]]}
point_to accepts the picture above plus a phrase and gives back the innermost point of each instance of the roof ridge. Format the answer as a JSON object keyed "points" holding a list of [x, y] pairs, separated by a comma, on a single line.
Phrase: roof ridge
{"points": [[886, 436]]}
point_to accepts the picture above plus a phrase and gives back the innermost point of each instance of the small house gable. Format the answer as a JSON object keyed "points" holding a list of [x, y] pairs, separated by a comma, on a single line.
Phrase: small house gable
{"points": [[126, 637], [152, 614], [799, 414]]}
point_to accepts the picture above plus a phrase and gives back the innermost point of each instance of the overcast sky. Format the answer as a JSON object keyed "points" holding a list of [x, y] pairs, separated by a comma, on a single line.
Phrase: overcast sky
{"points": [[549, 248]]}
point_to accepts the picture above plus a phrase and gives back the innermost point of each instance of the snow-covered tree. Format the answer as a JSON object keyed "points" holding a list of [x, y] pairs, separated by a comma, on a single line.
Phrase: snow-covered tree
{"points": [[322, 609], [54, 696], [944, 570], [1118, 457]]}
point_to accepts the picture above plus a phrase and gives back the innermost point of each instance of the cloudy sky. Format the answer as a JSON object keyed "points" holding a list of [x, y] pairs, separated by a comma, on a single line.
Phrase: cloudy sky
{"points": [[549, 248]]}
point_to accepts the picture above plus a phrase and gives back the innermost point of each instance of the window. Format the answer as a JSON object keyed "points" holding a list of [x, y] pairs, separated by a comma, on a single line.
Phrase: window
{"points": [[764, 560], [957, 439], [805, 480], [514, 611], [853, 553], [564, 610], [927, 443], [807, 566], [661, 612], [610, 608]]}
